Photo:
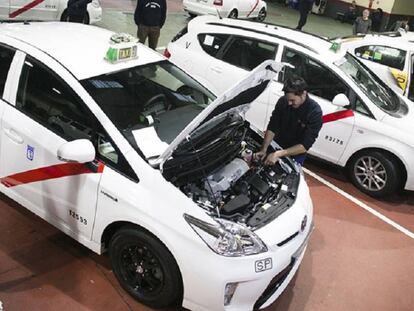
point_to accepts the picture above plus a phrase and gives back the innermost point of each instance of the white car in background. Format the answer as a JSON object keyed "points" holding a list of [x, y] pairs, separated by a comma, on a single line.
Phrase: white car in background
{"points": [[123, 151], [47, 10], [368, 128], [390, 57], [256, 9]]}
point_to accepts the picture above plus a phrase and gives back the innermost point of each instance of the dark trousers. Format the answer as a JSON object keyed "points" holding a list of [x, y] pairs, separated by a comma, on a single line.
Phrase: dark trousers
{"points": [[76, 18], [150, 32], [304, 8]]}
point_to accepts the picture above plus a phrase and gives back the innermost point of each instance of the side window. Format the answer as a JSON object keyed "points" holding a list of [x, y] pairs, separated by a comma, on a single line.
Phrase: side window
{"points": [[322, 82], [212, 43], [411, 86], [6, 57], [51, 102], [247, 53], [383, 55]]}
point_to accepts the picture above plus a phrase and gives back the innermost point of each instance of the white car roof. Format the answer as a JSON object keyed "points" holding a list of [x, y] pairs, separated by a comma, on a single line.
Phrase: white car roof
{"points": [[317, 45], [402, 42], [80, 48]]}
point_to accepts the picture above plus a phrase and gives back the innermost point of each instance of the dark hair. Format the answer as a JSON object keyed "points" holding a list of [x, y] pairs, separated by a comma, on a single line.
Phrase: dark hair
{"points": [[295, 84]]}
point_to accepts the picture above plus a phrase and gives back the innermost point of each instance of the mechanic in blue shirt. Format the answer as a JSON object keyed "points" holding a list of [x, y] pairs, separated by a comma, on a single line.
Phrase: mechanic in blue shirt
{"points": [[294, 125], [77, 10]]}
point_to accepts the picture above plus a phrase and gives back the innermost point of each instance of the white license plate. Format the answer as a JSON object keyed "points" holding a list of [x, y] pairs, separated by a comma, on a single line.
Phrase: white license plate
{"points": [[263, 265]]}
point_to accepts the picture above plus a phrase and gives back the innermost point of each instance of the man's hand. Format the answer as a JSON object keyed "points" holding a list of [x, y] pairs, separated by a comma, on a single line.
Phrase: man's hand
{"points": [[274, 157], [259, 155]]}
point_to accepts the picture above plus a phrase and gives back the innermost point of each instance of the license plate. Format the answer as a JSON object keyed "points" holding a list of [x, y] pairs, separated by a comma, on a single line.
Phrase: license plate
{"points": [[263, 265]]}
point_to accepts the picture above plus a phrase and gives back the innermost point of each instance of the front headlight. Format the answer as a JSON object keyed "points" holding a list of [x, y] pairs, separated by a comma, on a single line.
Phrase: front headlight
{"points": [[227, 238]]}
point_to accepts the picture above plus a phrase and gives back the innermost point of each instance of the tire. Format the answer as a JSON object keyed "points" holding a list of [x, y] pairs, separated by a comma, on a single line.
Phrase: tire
{"points": [[375, 173], [233, 14], [145, 268], [262, 15]]}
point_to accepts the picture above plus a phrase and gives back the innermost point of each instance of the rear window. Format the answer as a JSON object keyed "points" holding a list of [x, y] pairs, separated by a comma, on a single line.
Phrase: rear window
{"points": [[383, 55], [212, 43]]}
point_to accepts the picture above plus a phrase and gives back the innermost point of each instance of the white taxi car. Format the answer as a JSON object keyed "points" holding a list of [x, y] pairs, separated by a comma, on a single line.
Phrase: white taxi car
{"points": [[123, 151], [256, 9], [367, 127], [390, 57], [46, 10]]}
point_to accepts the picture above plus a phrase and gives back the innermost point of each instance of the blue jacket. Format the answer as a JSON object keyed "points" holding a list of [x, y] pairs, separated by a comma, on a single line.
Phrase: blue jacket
{"points": [[150, 12], [77, 7]]}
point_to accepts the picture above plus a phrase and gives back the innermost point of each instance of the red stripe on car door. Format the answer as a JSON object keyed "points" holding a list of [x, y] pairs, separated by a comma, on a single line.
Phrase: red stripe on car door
{"points": [[254, 8], [337, 116], [25, 8], [49, 172]]}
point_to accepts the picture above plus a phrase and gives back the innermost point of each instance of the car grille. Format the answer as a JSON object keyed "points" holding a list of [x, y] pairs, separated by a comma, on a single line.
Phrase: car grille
{"points": [[274, 285]]}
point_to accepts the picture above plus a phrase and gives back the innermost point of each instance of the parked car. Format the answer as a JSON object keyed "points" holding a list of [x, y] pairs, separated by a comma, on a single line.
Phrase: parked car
{"points": [[47, 10], [120, 149], [256, 9], [367, 127], [390, 57]]}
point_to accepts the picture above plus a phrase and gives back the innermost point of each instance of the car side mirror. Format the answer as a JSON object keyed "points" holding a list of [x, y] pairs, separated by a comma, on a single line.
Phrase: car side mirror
{"points": [[79, 150], [340, 100]]}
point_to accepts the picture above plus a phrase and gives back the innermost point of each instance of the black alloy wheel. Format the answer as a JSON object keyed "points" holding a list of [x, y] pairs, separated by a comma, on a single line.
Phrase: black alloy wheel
{"points": [[145, 268], [233, 14], [262, 15]]}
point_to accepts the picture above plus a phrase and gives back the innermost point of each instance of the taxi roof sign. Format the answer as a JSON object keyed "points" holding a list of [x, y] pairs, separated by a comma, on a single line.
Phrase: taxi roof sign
{"points": [[123, 47], [336, 46]]}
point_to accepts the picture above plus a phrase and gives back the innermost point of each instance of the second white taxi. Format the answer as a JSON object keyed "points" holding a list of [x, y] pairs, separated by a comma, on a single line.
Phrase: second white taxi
{"points": [[367, 127], [123, 151]]}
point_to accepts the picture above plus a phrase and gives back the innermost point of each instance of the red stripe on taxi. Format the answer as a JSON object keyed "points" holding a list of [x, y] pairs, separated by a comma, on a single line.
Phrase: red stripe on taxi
{"points": [[49, 172], [27, 7], [337, 116], [254, 8]]}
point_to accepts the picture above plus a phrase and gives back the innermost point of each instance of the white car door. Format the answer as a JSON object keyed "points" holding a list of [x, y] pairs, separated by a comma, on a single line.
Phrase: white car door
{"points": [[33, 10], [234, 61], [338, 122], [245, 6], [46, 114]]}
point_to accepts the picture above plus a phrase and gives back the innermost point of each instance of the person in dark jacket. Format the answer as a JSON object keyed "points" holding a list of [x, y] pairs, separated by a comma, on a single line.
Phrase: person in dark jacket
{"points": [[150, 16], [362, 24], [304, 8], [376, 18], [294, 125], [77, 10]]}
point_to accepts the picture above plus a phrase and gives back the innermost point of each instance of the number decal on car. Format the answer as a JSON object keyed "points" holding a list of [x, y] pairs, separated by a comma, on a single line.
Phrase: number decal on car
{"points": [[79, 218]]}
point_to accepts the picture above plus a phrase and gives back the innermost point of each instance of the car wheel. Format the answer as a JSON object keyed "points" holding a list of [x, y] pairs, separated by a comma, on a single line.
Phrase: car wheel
{"points": [[374, 173], [262, 15], [233, 14], [145, 268]]}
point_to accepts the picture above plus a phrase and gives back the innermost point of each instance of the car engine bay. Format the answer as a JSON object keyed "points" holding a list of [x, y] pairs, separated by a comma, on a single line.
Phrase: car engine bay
{"points": [[217, 169]]}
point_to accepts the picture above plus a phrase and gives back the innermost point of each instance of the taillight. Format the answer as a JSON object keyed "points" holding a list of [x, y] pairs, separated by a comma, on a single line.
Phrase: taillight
{"points": [[167, 53], [218, 2]]}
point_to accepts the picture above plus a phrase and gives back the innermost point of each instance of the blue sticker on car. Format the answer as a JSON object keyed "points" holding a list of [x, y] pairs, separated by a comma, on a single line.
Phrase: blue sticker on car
{"points": [[30, 153]]}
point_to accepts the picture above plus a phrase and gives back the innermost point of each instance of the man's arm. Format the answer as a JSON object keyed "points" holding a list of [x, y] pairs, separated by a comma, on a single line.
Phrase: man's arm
{"points": [[163, 12], [291, 151]]}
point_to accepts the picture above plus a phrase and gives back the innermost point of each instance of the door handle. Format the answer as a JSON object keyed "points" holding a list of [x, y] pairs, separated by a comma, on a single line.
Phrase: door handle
{"points": [[216, 69], [13, 135]]}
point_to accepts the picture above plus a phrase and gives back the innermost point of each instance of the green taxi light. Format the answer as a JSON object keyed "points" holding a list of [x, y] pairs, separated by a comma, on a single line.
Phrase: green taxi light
{"points": [[122, 47], [335, 46]]}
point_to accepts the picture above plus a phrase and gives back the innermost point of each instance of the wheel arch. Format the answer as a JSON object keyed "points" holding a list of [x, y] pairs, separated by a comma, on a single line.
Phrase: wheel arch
{"points": [[396, 158], [113, 227]]}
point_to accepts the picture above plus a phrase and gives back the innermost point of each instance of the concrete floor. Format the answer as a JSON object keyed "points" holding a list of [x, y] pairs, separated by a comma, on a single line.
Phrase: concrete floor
{"points": [[355, 261]]}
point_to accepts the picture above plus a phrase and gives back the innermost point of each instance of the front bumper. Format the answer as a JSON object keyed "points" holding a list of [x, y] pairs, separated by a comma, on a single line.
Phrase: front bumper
{"points": [[286, 243]]}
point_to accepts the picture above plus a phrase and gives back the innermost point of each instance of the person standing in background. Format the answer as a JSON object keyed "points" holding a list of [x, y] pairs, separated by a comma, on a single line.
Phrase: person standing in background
{"points": [[304, 8], [150, 16], [362, 23], [401, 24], [376, 18], [77, 10]]}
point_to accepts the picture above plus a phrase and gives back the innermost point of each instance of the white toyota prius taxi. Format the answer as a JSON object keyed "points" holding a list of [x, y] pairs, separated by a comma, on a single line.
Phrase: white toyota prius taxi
{"points": [[123, 151], [368, 128]]}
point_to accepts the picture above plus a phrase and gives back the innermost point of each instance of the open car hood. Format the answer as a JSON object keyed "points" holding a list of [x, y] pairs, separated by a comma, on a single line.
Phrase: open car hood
{"points": [[243, 93]]}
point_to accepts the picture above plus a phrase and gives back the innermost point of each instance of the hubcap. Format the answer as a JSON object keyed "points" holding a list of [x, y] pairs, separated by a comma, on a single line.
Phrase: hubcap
{"points": [[262, 15], [141, 269], [370, 173]]}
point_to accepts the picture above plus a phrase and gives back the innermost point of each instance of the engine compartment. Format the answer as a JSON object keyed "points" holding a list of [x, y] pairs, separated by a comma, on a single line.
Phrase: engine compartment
{"points": [[218, 171]]}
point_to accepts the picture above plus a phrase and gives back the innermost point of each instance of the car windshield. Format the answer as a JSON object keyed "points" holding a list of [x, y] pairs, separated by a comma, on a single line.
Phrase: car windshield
{"points": [[151, 104], [376, 90]]}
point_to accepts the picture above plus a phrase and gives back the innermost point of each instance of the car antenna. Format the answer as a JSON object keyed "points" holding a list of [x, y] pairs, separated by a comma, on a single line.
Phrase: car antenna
{"points": [[188, 138]]}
